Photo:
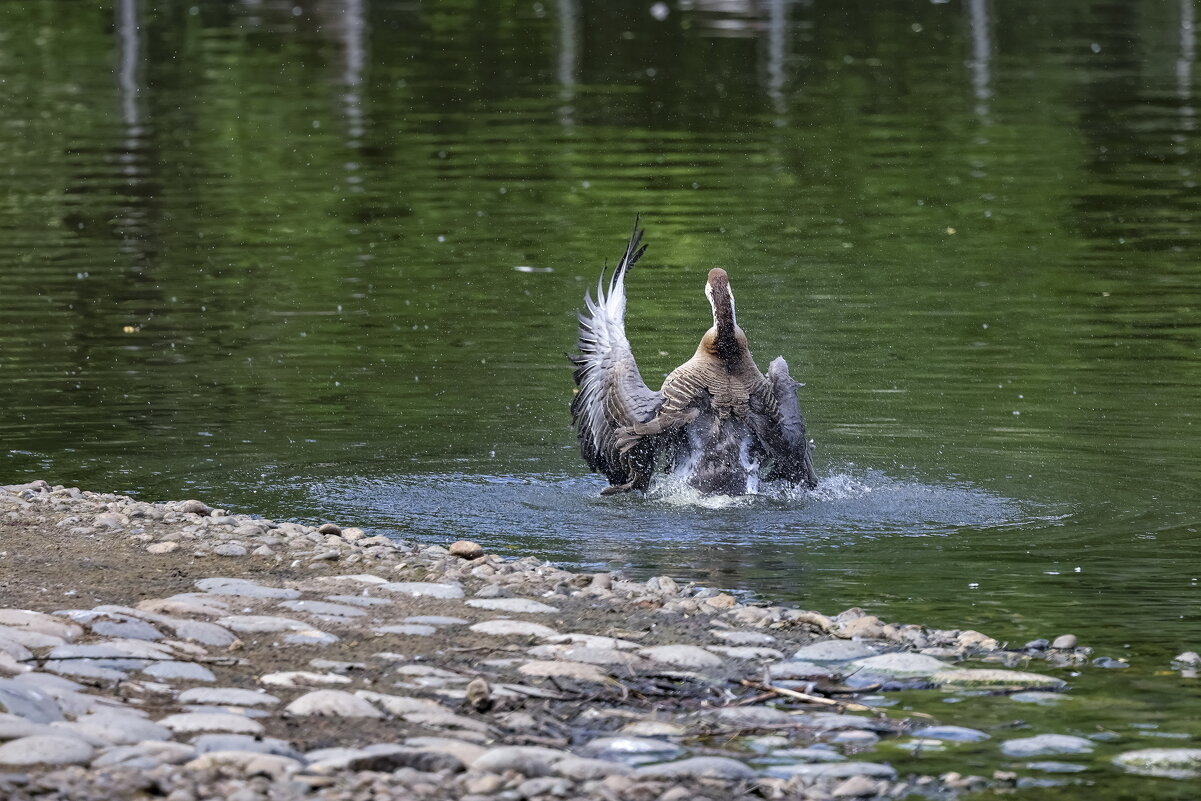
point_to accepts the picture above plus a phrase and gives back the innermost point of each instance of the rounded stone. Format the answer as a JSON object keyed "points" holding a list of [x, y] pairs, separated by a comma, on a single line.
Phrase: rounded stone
{"points": [[466, 549], [900, 665], [686, 656], [834, 651], [702, 767], [996, 679], [1064, 641], [46, 749], [187, 722], [332, 703], [528, 760], [1045, 744], [955, 734], [230, 549], [227, 696], [194, 507], [162, 547], [1174, 763]]}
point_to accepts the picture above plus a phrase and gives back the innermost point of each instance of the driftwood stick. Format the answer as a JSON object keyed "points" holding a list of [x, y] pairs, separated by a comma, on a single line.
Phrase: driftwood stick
{"points": [[817, 699]]}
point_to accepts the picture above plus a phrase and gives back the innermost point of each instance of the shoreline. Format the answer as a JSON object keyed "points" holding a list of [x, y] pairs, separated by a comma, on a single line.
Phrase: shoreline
{"points": [[171, 649]]}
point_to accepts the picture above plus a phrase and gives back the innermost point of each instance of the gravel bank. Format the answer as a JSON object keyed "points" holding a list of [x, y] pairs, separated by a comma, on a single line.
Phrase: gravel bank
{"points": [[173, 650]]}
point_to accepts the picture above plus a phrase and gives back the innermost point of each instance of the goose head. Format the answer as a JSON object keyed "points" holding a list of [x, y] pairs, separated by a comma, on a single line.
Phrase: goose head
{"points": [[728, 341]]}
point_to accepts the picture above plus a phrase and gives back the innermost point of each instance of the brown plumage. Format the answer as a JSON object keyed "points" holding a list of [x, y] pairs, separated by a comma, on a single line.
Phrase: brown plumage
{"points": [[718, 422]]}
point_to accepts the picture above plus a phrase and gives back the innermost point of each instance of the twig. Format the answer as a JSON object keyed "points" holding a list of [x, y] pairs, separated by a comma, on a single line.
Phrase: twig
{"points": [[817, 699]]}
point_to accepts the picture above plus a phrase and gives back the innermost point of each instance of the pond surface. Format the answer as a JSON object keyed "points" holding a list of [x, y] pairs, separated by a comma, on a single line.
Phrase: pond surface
{"points": [[321, 260]]}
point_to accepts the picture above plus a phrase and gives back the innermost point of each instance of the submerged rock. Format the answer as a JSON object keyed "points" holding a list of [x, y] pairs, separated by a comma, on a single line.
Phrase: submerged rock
{"points": [[1174, 763]]}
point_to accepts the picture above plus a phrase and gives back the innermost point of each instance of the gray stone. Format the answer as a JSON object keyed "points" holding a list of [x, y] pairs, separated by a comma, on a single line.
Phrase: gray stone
{"points": [[834, 651], [38, 623], [833, 770], [797, 670], [632, 749], [1046, 744], [361, 600], [564, 669], [309, 637], [1049, 766], [114, 728], [29, 702], [202, 632], [753, 716], [1174, 763], [466, 549], [194, 507], [332, 703], [464, 751], [257, 624], [226, 696], [1039, 697], [814, 754], [528, 760], [401, 705], [703, 767], [134, 756], [230, 549], [517, 605], [423, 589], [243, 588], [208, 743], [407, 630], [323, 608], [734, 637], [188, 722], [955, 734], [901, 664], [514, 628], [689, 657], [754, 653], [1064, 641], [46, 749], [179, 670], [436, 620], [301, 678]]}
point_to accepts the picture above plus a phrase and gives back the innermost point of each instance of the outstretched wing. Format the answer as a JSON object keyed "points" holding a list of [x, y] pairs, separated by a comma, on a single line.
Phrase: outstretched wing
{"points": [[787, 444], [612, 394]]}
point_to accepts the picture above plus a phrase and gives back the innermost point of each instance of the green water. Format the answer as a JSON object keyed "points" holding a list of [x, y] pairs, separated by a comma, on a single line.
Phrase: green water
{"points": [[267, 254]]}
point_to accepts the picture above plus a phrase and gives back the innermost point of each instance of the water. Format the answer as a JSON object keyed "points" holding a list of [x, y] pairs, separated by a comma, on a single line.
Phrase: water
{"points": [[320, 260]]}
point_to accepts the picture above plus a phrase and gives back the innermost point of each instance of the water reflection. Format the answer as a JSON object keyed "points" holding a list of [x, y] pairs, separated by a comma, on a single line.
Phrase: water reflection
{"points": [[980, 64]]}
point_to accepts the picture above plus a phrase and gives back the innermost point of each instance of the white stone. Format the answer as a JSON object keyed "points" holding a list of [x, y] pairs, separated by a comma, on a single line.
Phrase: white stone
{"points": [[1046, 744], [248, 763], [423, 589], [1174, 763], [332, 703], [514, 628], [189, 722], [707, 767], [226, 696], [516, 605], [900, 665], [46, 749], [301, 678], [834, 651], [261, 623], [571, 670]]}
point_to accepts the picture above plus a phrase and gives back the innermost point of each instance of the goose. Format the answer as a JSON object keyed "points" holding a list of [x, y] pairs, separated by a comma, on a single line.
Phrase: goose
{"points": [[718, 423]]}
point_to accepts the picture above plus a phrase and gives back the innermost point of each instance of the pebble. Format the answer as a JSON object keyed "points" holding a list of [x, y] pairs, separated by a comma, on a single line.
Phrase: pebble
{"points": [[632, 749], [179, 670], [583, 768], [162, 547], [797, 670], [1064, 642], [1038, 697], [901, 664], [735, 637], [247, 763], [1046, 744], [46, 749], [856, 787], [260, 624], [466, 549], [230, 549], [332, 703], [833, 770], [528, 760], [301, 678], [207, 743]]}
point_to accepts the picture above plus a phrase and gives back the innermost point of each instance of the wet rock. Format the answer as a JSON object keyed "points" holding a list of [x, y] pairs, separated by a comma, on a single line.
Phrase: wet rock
{"points": [[332, 703], [466, 549], [689, 657], [797, 670], [330, 529], [1064, 642], [995, 679], [46, 749], [1048, 766], [583, 768], [753, 716], [516, 605], [631, 749], [653, 728], [703, 767], [735, 637], [901, 664], [1046, 744], [1188, 659], [834, 651], [1174, 763], [1110, 663], [955, 734], [833, 770], [751, 653], [1038, 697]]}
